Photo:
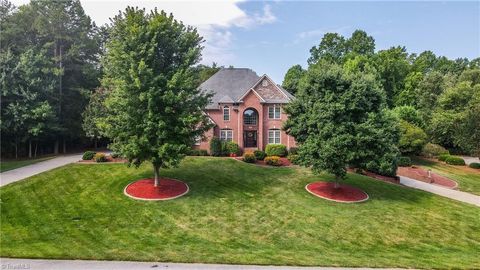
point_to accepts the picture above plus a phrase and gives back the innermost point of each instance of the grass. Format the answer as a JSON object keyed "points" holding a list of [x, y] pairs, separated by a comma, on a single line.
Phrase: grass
{"points": [[14, 164], [234, 213], [468, 179]]}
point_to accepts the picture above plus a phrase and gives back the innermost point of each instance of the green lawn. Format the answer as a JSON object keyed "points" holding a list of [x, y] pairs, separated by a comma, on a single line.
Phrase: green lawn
{"points": [[13, 164], [468, 179], [234, 213]]}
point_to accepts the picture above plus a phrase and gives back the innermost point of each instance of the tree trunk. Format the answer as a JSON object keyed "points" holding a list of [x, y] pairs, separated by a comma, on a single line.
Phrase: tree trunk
{"points": [[35, 153], [16, 149], [337, 182], [95, 143], [55, 147], [64, 147], [156, 168], [29, 148]]}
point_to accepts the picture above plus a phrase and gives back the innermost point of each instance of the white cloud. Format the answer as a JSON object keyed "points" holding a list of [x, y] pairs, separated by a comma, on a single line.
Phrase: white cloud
{"points": [[213, 19], [318, 33]]}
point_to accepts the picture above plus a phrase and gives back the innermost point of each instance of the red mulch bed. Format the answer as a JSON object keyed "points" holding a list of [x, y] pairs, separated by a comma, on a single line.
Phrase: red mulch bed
{"points": [[283, 160], [145, 190], [422, 175], [343, 193]]}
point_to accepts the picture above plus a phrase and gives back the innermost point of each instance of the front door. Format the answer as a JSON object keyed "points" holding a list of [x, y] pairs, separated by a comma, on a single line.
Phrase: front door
{"points": [[250, 138]]}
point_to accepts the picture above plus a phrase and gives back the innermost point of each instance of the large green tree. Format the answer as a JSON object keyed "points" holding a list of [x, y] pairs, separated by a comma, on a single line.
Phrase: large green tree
{"points": [[154, 107], [339, 119], [292, 78]]}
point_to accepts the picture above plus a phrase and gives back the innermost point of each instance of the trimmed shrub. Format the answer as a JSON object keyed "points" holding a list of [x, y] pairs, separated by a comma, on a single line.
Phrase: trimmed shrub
{"points": [[100, 157], [293, 151], [474, 165], [443, 157], [293, 158], [88, 155], [259, 154], [115, 155], [273, 161], [198, 152], [276, 150], [249, 157], [232, 148], [216, 147], [404, 162], [452, 160], [433, 150]]}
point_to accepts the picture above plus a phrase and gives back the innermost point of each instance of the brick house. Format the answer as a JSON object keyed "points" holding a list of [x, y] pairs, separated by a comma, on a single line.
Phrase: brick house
{"points": [[246, 109]]}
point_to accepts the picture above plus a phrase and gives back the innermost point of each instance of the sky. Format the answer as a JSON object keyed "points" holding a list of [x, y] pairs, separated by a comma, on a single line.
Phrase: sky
{"points": [[271, 36]]}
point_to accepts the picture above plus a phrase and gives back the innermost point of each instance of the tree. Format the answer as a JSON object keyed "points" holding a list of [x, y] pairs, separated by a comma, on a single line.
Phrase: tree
{"points": [[332, 48], [154, 107], [292, 78], [409, 114], [360, 43], [412, 138], [94, 115], [204, 72], [339, 119]]}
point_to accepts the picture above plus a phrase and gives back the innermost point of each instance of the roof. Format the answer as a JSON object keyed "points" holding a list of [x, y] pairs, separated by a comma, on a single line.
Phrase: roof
{"points": [[230, 85]]}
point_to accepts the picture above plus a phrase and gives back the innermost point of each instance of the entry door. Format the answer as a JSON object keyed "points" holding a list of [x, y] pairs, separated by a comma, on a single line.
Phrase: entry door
{"points": [[250, 138]]}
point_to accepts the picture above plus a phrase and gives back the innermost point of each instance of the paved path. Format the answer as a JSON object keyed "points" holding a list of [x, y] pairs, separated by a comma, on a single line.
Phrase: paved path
{"points": [[124, 265], [469, 160], [445, 192], [27, 171]]}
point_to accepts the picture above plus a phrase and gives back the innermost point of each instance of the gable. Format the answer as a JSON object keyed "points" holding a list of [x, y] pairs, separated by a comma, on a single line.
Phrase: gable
{"points": [[269, 91]]}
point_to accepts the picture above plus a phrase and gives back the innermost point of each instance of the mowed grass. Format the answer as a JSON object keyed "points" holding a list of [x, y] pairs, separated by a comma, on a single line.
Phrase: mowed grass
{"points": [[468, 179], [7, 165], [235, 213]]}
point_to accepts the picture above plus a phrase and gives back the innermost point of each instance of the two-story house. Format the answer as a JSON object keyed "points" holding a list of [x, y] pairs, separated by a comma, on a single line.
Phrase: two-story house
{"points": [[247, 109]]}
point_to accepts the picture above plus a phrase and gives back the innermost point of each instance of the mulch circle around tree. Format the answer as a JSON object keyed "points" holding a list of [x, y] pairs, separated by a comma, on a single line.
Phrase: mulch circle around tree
{"points": [[343, 193], [421, 174], [144, 189]]}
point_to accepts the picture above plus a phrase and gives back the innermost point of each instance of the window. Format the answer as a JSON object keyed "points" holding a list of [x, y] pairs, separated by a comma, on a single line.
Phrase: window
{"points": [[250, 117], [226, 135], [226, 113], [274, 112], [198, 140], [274, 136]]}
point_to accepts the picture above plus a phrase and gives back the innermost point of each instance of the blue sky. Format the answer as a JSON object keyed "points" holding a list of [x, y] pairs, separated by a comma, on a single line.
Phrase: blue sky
{"points": [[271, 36]]}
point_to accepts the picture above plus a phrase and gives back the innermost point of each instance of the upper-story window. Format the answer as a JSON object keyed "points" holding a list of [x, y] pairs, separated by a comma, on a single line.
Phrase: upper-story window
{"points": [[250, 117], [226, 113], [274, 136], [274, 112], [226, 135]]}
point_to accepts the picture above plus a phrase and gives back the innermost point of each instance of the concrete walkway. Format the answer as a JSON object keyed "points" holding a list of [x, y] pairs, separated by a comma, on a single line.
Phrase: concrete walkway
{"points": [[469, 160], [124, 265], [27, 171], [445, 192]]}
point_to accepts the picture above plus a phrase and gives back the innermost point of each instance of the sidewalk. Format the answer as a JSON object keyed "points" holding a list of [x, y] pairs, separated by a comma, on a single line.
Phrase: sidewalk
{"points": [[445, 192], [124, 265], [27, 171]]}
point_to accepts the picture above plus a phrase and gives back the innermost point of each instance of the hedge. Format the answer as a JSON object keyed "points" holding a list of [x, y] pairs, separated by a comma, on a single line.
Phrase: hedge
{"points": [[452, 160], [88, 155], [404, 162], [474, 165], [273, 161], [276, 150]]}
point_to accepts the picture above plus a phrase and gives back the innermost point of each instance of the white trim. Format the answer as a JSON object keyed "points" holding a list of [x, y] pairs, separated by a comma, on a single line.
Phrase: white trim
{"points": [[226, 129], [165, 199], [274, 106], [328, 199], [223, 112], [274, 137]]}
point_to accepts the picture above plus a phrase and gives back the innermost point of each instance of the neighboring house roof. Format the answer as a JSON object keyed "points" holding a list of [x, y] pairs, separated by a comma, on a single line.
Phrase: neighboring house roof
{"points": [[230, 85]]}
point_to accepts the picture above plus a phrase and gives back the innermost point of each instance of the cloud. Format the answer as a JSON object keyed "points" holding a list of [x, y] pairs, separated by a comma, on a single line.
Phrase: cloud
{"points": [[318, 33]]}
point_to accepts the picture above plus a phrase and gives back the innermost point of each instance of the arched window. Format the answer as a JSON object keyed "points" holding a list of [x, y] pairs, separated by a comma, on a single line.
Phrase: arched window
{"points": [[250, 117]]}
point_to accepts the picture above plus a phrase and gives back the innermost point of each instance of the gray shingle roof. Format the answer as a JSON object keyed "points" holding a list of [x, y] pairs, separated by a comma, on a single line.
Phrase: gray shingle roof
{"points": [[229, 84]]}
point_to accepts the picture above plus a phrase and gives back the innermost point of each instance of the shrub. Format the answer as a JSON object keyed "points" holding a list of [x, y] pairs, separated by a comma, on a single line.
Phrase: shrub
{"points": [[115, 155], [433, 150], [452, 160], [249, 157], [216, 147], [276, 150], [198, 152], [88, 155], [232, 148], [100, 157], [293, 151], [474, 165], [293, 158], [443, 157], [404, 162], [412, 138], [259, 154], [273, 161]]}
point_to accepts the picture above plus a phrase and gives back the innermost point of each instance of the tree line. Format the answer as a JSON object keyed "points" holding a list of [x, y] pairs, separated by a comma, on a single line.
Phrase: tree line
{"points": [[434, 99], [51, 69]]}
